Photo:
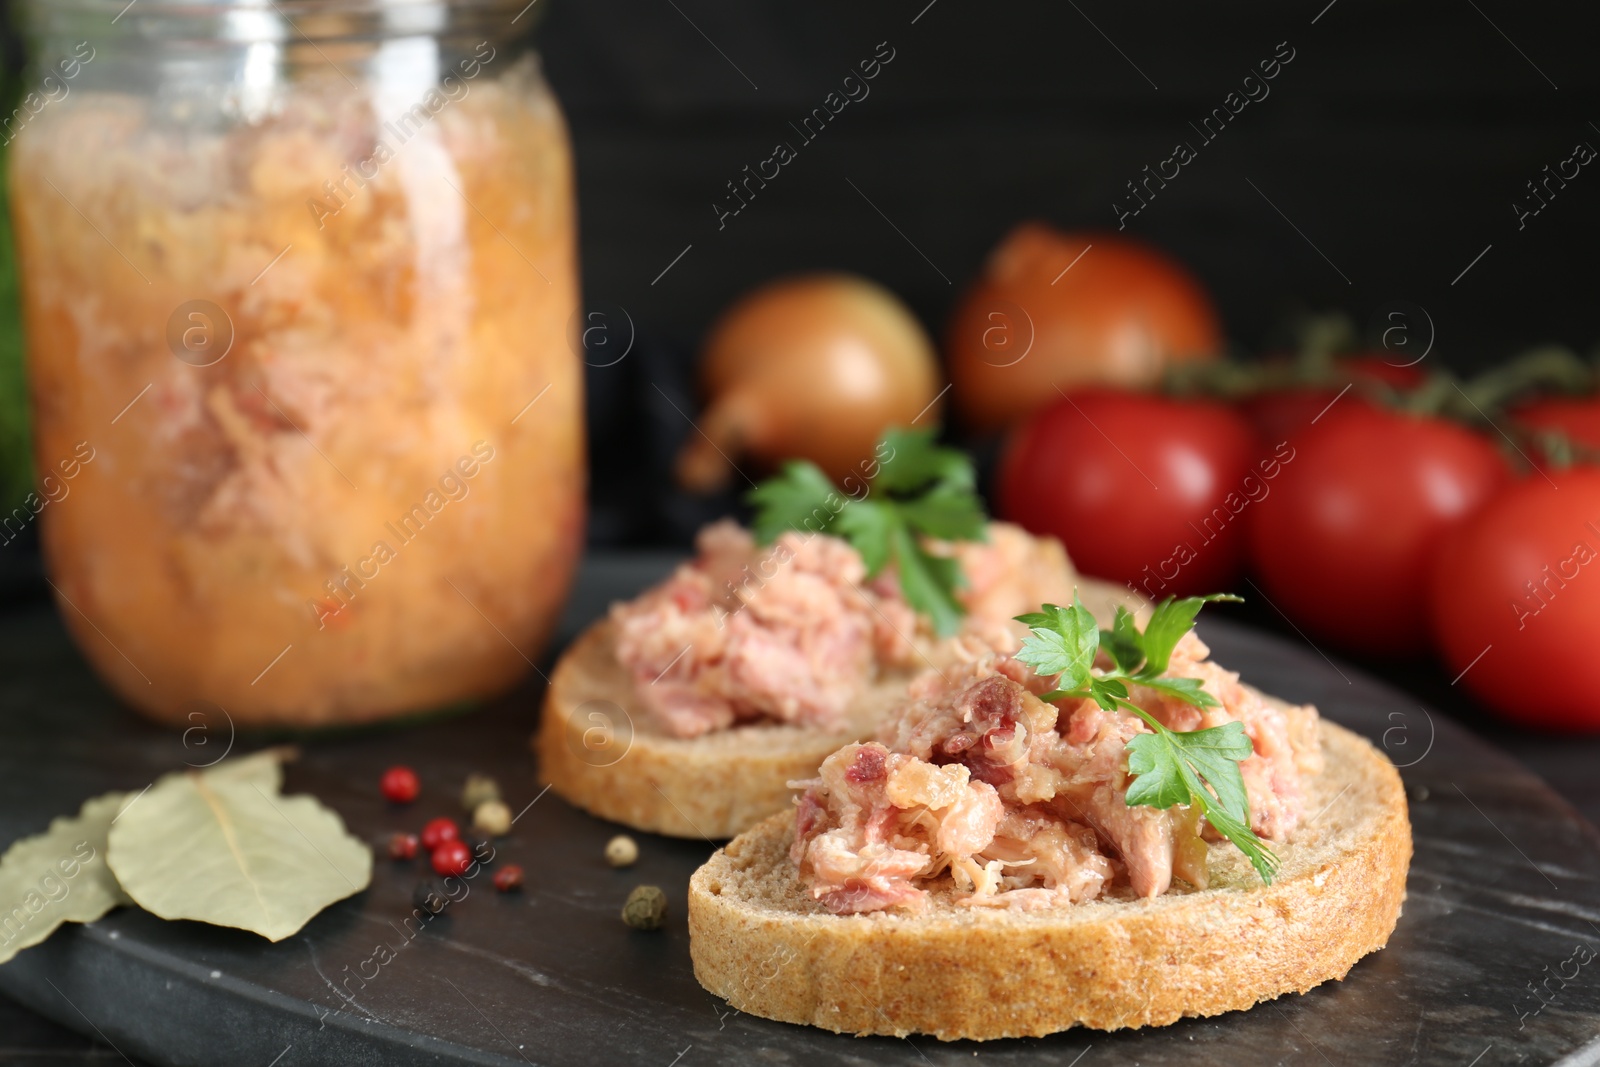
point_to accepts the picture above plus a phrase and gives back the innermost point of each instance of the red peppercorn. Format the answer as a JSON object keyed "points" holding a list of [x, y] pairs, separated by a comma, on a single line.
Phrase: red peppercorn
{"points": [[508, 878], [399, 785], [452, 858], [403, 847], [437, 831]]}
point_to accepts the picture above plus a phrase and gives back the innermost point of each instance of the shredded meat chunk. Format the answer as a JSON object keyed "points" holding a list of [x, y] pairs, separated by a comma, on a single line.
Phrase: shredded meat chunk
{"points": [[793, 632], [1023, 803]]}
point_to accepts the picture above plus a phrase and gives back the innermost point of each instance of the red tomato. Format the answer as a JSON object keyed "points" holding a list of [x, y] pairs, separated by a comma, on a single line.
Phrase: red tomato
{"points": [[1375, 367], [1280, 414], [1516, 601], [1576, 417], [1344, 542], [1140, 489]]}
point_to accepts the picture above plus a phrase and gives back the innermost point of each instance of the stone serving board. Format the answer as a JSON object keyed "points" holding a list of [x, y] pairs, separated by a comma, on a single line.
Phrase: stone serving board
{"points": [[1504, 896]]}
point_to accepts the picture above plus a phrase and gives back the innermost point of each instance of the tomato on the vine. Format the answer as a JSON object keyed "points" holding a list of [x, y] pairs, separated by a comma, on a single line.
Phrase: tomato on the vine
{"points": [[1577, 418], [1279, 414], [1343, 544], [1141, 489], [1516, 601]]}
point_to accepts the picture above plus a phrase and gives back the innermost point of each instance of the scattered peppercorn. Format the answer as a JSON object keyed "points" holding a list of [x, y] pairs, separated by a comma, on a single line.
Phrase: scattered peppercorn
{"points": [[452, 858], [403, 847], [492, 817], [646, 908], [480, 789], [429, 897], [399, 785], [437, 831], [508, 878], [621, 851]]}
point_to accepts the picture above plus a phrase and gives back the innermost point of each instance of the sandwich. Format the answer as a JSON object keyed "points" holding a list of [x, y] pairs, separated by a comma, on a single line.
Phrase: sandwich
{"points": [[1105, 829], [687, 710]]}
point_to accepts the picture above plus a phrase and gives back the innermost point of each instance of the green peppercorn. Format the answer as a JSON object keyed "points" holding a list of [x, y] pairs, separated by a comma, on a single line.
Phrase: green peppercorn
{"points": [[479, 789], [646, 908]]}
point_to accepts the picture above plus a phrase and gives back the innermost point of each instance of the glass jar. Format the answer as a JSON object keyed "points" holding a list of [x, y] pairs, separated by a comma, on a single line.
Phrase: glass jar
{"points": [[297, 280]]}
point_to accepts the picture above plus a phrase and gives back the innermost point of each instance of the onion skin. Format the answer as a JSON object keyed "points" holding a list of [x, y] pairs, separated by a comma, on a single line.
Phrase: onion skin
{"points": [[1118, 316], [810, 367]]}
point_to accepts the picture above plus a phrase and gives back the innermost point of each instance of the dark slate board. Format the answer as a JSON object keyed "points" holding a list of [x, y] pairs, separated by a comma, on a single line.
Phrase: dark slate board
{"points": [[1502, 891]]}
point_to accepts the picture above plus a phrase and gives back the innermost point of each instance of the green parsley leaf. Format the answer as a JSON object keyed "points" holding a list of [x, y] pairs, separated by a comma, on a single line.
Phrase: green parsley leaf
{"points": [[869, 527], [928, 581], [948, 513], [1158, 767], [794, 499], [1107, 692], [1199, 767], [921, 490], [1168, 623], [1262, 858], [1061, 641], [1188, 690], [914, 461], [1170, 768], [1123, 642]]}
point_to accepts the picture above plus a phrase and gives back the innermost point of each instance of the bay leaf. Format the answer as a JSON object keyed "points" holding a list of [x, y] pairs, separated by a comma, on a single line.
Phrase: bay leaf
{"points": [[264, 769], [223, 846], [59, 876]]}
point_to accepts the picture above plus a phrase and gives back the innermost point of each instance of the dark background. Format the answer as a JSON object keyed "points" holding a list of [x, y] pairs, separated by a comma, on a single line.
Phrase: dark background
{"points": [[1391, 150], [1396, 140]]}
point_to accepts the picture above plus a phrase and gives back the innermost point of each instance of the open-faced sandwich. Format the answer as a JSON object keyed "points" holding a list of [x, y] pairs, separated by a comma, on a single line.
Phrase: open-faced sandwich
{"points": [[1105, 829], [689, 709]]}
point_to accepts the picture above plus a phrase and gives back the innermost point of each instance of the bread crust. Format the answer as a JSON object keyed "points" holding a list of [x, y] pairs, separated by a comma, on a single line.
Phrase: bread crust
{"points": [[713, 786], [760, 942]]}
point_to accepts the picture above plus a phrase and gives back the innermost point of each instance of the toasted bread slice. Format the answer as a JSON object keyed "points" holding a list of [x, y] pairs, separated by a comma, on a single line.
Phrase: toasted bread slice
{"points": [[598, 747], [953, 971]]}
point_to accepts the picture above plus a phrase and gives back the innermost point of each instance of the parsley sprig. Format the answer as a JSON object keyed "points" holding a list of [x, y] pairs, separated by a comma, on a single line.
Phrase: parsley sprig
{"points": [[1196, 767], [920, 490]]}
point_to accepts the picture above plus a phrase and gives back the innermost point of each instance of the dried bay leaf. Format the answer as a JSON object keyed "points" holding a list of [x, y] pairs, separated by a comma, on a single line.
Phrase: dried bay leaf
{"points": [[59, 876], [222, 846], [264, 769]]}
